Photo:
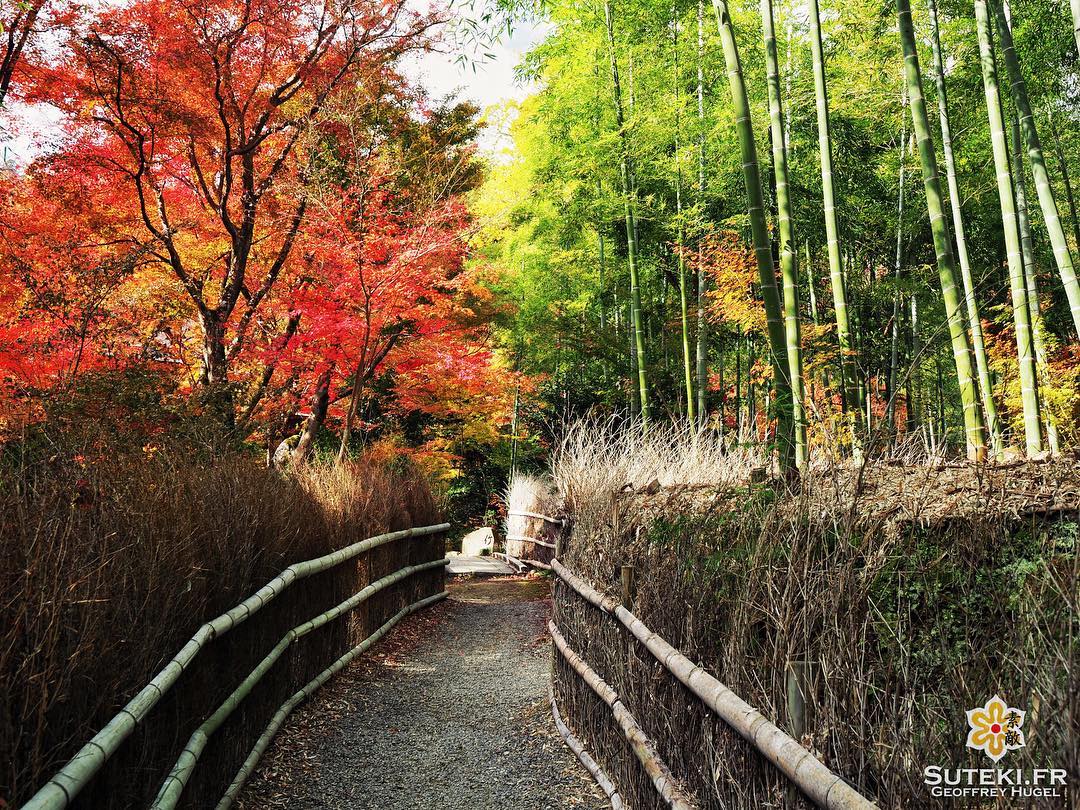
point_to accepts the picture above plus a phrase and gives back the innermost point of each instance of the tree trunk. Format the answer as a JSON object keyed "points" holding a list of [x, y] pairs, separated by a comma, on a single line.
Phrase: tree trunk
{"points": [[973, 424], [760, 230], [1075, 6], [1043, 189], [320, 403], [852, 399], [1014, 256], [1064, 166], [982, 367], [788, 259], [215, 372]]}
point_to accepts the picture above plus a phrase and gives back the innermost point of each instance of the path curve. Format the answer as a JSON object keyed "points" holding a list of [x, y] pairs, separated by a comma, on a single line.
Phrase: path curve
{"points": [[451, 712]]}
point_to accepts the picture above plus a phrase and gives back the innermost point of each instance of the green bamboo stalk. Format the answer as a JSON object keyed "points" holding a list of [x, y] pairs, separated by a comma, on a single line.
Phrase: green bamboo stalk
{"points": [[1063, 166], [852, 396], [169, 794], [59, 791], [760, 230], [986, 391], [1006, 194], [702, 279], [1043, 189], [631, 225], [894, 335], [788, 260], [914, 410], [973, 424], [1075, 6], [309, 689], [684, 311], [1031, 273]]}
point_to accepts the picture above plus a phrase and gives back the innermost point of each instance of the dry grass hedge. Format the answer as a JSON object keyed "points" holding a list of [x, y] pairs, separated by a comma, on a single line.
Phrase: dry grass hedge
{"points": [[920, 597], [107, 569]]}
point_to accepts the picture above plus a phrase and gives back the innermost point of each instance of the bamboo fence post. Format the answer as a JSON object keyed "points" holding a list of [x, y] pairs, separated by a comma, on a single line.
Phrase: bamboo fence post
{"points": [[627, 585], [795, 678], [62, 788], [825, 788]]}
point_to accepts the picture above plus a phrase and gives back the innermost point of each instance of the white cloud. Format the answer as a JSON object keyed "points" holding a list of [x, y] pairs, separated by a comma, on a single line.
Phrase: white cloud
{"points": [[482, 74]]}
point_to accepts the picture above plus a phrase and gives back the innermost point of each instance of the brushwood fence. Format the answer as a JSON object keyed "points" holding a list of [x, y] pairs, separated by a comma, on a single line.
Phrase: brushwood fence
{"points": [[638, 772], [404, 572]]}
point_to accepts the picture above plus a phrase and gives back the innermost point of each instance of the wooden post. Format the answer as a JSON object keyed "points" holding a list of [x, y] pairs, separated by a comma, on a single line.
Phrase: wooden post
{"points": [[795, 675], [627, 585], [796, 698]]}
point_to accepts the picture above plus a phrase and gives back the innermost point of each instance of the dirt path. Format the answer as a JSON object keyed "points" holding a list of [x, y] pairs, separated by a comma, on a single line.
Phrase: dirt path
{"points": [[450, 712]]}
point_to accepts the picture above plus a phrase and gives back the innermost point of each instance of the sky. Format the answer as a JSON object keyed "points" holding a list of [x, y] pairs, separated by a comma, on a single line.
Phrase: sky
{"points": [[489, 82]]}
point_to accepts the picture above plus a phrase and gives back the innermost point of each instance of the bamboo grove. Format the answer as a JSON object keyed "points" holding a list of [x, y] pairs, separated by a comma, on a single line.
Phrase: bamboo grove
{"points": [[832, 229]]}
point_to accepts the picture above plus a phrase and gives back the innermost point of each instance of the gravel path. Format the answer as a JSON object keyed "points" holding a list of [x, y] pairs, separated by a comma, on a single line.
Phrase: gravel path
{"points": [[451, 713]]}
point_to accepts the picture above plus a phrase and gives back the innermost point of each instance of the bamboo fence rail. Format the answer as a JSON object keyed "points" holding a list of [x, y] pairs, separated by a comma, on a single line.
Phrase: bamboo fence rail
{"points": [[59, 791], [825, 788], [526, 539], [310, 688], [177, 779], [537, 515], [590, 764], [643, 747], [511, 560]]}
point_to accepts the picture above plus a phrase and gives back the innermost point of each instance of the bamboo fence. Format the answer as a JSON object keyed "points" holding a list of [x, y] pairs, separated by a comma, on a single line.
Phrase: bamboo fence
{"points": [[590, 764], [531, 532], [65, 785], [825, 788], [643, 747], [537, 515]]}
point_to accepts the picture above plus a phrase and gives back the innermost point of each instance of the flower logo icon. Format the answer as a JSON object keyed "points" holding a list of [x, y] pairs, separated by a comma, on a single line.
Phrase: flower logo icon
{"points": [[996, 728]]}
